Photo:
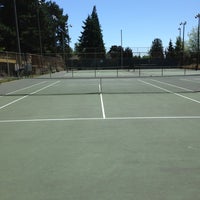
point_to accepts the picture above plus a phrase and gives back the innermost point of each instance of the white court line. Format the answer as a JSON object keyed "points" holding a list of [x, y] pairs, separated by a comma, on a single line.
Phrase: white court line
{"points": [[12, 102], [102, 103], [186, 89], [96, 119], [169, 91], [26, 88]]}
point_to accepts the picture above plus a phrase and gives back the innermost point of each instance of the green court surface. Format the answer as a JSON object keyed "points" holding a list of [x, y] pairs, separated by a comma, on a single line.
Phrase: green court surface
{"points": [[110, 139]]}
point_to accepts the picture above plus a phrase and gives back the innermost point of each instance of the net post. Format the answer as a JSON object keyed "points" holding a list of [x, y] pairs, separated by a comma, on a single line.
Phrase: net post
{"points": [[100, 85], [50, 69], [72, 73]]}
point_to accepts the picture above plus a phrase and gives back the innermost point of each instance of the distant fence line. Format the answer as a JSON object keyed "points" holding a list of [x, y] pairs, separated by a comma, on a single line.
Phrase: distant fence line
{"points": [[13, 64]]}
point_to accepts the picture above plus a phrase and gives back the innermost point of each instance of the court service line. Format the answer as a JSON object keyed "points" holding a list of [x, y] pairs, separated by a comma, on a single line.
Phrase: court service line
{"points": [[175, 86], [96, 119], [169, 91], [19, 99], [102, 103]]}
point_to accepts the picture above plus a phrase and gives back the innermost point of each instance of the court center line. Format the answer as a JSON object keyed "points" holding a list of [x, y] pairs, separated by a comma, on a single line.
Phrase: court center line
{"points": [[19, 99], [102, 103], [96, 119], [169, 91]]}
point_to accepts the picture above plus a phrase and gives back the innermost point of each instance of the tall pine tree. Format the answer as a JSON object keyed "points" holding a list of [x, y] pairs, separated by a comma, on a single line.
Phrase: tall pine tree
{"points": [[91, 41], [156, 51], [178, 50], [170, 53]]}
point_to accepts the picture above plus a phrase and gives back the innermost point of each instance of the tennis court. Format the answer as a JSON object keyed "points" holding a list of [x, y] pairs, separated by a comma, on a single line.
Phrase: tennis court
{"points": [[100, 138]]}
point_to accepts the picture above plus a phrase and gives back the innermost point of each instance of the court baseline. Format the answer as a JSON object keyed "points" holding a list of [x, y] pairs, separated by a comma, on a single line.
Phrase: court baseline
{"points": [[97, 118]]}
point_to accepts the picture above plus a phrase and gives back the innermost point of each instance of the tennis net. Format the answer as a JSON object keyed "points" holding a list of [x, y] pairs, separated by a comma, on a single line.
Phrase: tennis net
{"points": [[125, 85]]}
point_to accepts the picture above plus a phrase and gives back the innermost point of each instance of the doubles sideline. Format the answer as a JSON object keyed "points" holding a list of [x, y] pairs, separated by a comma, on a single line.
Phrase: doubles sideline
{"points": [[169, 91], [23, 97]]}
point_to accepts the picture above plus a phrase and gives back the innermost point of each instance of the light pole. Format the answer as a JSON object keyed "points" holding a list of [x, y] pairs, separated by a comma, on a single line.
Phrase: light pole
{"points": [[183, 41], [179, 32], [198, 16], [39, 27], [121, 50], [17, 32], [63, 41], [71, 62]]}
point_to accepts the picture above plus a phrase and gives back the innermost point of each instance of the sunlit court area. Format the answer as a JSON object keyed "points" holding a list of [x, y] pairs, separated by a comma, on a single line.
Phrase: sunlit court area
{"points": [[100, 137], [99, 100]]}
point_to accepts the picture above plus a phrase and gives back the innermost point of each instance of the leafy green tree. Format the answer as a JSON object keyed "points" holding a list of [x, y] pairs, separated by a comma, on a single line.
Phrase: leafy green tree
{"points": [[36, 26], [115, 51], [54, 28], [91, 43], [7, 26], [128, 53], [156, 51], [193, 38], [115, 54]]}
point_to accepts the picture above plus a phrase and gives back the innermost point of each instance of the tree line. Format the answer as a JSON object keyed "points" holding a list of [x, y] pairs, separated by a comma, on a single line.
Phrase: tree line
{"points": [[43, 29]]}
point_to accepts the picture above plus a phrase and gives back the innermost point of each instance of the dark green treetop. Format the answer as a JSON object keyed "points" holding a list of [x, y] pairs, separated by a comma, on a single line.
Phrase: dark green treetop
{"points": [[91, 43], [156, 50]]}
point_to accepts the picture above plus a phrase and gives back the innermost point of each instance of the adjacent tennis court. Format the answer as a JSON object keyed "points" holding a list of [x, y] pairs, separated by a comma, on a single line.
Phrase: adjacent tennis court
{"points": [[100, 138]]}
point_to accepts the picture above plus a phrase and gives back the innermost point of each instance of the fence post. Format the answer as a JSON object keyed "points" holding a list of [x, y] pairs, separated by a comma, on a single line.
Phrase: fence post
{"points": [[8, 66]]}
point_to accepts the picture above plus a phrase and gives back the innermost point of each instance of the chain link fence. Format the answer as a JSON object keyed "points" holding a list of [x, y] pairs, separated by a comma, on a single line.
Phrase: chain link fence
{"points": [[13, 64]]}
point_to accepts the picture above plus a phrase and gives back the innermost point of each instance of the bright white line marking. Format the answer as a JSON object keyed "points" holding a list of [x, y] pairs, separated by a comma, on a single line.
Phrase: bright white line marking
{"points": [[25, 88], [107, 118], [12, 102], [102, 103], [170, 92], [172, 85]]}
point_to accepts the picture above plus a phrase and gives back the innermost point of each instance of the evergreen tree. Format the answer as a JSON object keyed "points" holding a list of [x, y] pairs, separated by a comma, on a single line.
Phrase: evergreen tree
{"points": [[91, 41], [156, 50], [170, 53], [178, 49]]}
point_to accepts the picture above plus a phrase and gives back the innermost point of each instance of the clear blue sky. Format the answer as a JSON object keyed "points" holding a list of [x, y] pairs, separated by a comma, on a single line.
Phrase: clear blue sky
{"points": [[141, 21]]}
